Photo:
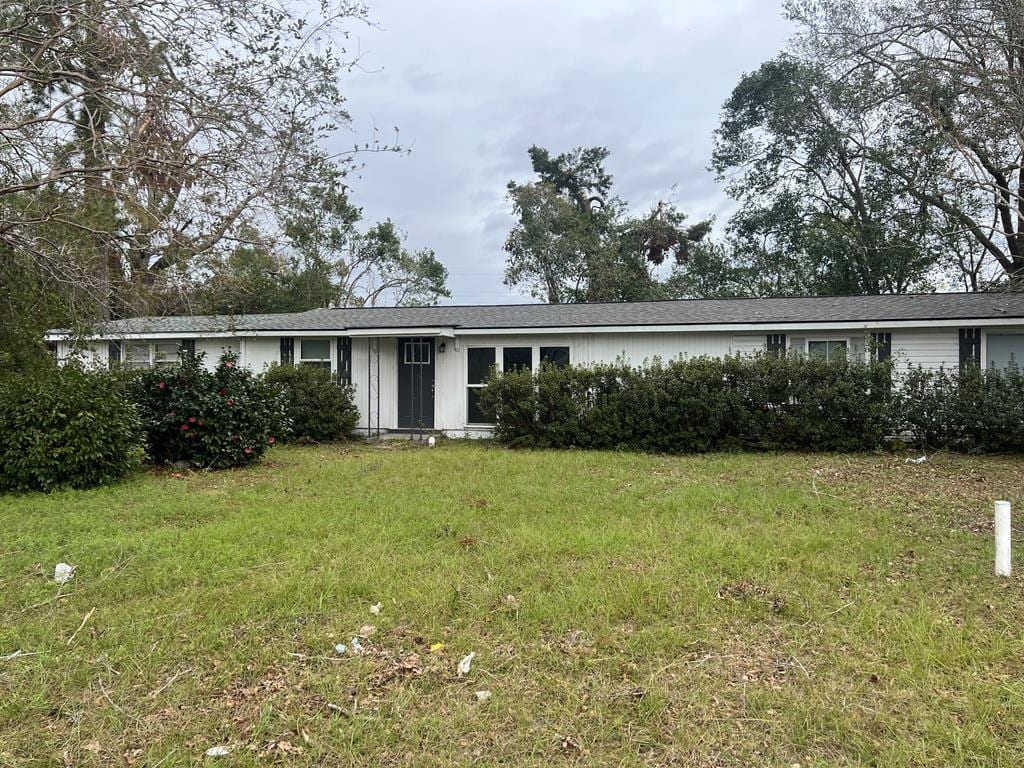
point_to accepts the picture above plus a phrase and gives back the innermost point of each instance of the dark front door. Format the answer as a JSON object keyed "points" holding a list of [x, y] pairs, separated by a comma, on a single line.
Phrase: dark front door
{"points": [[416, 383]]}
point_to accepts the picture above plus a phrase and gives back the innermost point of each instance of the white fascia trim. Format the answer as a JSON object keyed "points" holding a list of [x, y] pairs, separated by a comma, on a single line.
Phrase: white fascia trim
{"points": [[743, 327], [371, 332], [450, 332]]}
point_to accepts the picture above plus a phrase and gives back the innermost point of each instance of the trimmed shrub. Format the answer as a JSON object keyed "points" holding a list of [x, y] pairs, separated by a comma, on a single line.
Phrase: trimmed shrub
{"points": [[974, 410], [318, 408], [65, 428], [213, 419], [704, 404]]}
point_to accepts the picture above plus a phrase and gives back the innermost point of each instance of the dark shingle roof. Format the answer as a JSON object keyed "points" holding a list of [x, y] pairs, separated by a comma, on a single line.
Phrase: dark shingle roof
{"points": [[839, 309]]}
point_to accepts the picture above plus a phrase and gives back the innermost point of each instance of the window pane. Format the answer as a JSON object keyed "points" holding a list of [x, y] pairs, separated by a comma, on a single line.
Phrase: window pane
{"points": [[836, 350], [1004, 348], [165, 353], [558, 356], [137, 355], [817, 350], [315, 349], [479, 362], [326, 364], [517, 358], [474, 415]]}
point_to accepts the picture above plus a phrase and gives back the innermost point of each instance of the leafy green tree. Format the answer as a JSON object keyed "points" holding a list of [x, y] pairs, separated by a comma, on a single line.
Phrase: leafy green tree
{"points": [[820, 211], [574, 240], [325, 259]]}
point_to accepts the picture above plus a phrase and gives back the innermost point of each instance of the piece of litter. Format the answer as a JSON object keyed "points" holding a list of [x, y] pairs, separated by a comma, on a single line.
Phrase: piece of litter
{"points": [[218, 751], [465, 664], [483, 695], [431, 441], [437, 647], [920, 460], [63, 572], [375, 609], [340, 649], [357, 647], [367, 630]]}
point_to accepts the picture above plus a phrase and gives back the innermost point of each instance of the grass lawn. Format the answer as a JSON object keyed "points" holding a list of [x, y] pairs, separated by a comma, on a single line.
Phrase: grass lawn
{"points": [[719, 610]]}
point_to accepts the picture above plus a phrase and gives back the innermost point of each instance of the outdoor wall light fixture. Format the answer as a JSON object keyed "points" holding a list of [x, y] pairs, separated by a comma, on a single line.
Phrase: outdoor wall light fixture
{"points": [[441, 347]]}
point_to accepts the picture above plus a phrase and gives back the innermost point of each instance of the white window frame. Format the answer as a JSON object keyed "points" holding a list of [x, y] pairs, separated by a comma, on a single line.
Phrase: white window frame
{"points": [[499, 366], [152, 360], [844, 339], [318, 361]]}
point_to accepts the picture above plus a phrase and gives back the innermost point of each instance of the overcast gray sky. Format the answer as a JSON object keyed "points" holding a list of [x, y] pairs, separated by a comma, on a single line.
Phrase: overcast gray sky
{"points": [[473, 83]]}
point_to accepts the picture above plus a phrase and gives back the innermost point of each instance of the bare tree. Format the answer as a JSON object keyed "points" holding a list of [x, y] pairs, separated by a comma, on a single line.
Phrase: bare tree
{"points": [[136, 135], [958, 67]]}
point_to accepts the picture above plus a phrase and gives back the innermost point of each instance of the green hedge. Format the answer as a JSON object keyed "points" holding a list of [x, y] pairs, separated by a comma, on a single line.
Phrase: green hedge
{"points": [[704, 404], [319, 409], [65, 428], [974, 411]]}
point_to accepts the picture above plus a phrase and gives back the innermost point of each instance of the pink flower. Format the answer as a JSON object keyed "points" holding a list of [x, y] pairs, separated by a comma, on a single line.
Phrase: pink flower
{"points": [[229, 365], [230, 401], [271, 440], [248, 450], [184, 427], [174, 413], [200, 422], [191, 419], [162, 385]]}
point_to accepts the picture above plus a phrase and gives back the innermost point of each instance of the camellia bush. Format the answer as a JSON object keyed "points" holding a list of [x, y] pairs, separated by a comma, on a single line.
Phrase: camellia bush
{"points": [[211, 419], [65, 427], [319, 409], [762, 402]]}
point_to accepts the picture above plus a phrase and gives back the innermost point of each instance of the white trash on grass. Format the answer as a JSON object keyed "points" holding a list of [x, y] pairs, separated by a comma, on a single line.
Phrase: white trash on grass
{"points": [[431, 441], [357, 647], [920, 460], [483, 695], [63, 572], [375, 609], [340, 649], [465, 664], [218, 751]]}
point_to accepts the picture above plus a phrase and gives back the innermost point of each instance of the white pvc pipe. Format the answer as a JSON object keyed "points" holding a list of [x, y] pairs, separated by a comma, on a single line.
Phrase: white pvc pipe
{"points": [[1003, 561]]}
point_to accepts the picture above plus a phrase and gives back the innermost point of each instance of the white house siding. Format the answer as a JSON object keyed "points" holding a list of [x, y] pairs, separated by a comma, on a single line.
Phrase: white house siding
{"points": [[370, 387], [927, 348], [260, 352]]}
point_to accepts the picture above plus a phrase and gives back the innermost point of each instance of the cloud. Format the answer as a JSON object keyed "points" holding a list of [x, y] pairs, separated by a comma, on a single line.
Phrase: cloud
{"points": [[472, 85]]}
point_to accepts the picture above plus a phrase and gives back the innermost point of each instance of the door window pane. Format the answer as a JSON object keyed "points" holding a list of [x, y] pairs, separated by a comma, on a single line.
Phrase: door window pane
{"points": [[479, 361], [517, 359], [558, 356], [416, 352]]}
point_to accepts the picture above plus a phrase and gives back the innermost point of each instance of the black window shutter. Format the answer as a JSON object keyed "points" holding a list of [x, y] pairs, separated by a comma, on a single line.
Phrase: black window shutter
{"points": [[882, 343], [344, 360], [287, 350], [970, 347], [114, 353], [776, 343], [188, 346]]}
